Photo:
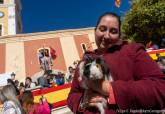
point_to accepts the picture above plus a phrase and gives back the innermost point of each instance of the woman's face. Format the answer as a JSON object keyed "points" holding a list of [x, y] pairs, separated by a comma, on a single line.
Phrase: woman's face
{"points": [[27, 81], [107, 32]]}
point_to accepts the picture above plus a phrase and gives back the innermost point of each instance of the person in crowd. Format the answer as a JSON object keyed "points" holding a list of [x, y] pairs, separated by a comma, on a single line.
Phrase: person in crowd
{"points": [[29, 83], [162, 43], [151, 46], [137, 81], [10, 103], [10, 81], [75, 63], [21, 88], [160, 58], [13, 76], [29, 107], [69, 74], [59, 79], [161, 62], [42, 81], [16, 82], [50, 80]]}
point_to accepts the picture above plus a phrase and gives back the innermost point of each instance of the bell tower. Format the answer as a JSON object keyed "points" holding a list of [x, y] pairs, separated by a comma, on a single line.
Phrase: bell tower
{"points": [[10, 17]]}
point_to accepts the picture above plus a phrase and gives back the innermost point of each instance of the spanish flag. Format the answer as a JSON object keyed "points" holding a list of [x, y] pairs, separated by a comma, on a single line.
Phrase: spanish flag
{"points": [[117, 3]]}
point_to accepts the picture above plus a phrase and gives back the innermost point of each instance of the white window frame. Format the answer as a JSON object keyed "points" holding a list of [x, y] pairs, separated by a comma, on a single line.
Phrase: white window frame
{"points": [[38, 51]]}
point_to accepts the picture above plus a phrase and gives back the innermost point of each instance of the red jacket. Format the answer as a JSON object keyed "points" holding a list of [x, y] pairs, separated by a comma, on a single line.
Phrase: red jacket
{"points": [[138, 81]]}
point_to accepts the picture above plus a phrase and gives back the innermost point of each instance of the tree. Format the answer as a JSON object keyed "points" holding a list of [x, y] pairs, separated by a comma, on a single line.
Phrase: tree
{"points": [[145, 21]]}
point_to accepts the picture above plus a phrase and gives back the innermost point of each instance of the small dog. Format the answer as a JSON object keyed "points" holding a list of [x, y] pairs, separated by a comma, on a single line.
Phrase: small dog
{"points": [[93, 68]]}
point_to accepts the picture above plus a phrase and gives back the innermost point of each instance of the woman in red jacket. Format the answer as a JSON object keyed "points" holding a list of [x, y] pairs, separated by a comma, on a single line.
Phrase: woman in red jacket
{"points": [[138, 83]]}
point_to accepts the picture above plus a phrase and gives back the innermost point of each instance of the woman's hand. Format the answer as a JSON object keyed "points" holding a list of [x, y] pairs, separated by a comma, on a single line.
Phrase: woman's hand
{"points": [[92, 98], [98, 99], [101, 86]]}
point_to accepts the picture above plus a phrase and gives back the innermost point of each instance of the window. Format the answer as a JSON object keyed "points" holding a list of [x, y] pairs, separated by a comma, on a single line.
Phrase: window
{"points": [[43, 52], [44, 58]]}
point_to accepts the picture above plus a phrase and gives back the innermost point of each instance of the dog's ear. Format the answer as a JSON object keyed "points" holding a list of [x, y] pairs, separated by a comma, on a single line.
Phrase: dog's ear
{"points": [[81, 70], [98, 60], [87, 66], [88, 58], [103, 64], [105, 67]]}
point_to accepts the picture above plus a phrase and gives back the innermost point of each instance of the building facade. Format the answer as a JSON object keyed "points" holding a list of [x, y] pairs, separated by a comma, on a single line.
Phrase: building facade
{"points": [[10, 17], [19, 53]]}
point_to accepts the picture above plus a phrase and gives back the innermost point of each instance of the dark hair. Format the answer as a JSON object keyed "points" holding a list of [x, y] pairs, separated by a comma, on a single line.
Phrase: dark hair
{"points": [[157, 54], [29, 78], [12, 74], [26, 97], [11, 82], [22, 84], [16, 81], [109, 14], [70, 67]]}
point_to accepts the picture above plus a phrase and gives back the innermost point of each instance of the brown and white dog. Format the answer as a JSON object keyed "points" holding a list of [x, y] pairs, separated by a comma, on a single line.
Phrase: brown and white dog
{"points": [[93, 68]]}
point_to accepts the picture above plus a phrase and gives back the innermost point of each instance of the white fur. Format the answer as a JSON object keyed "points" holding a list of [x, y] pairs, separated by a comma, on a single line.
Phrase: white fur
{"points": [[101, 107], [81, 77], [96, 72], [81, 70]]}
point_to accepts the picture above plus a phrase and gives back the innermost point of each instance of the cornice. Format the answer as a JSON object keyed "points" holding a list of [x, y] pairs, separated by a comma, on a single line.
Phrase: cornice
{"points": [[45, 35]]}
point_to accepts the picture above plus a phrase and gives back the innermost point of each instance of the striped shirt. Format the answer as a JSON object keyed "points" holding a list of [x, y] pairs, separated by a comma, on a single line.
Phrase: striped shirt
{"points": [[10, 107]]}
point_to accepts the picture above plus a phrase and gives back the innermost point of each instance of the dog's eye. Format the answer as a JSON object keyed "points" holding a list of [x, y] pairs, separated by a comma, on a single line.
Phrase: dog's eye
{"points": [[97, 65]]}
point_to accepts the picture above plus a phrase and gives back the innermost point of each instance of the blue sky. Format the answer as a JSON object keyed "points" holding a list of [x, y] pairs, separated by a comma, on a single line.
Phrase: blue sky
{"points": [[50, 15]]}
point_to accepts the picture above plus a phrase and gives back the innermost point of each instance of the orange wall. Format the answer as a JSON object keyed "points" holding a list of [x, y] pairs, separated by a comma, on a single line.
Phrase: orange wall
{"points": [[32, 65], [2, 57], [82, 39]]}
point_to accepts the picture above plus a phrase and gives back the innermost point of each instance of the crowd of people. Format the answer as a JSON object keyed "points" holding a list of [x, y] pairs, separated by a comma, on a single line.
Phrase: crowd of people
{"points": [[161, 62], [154, 46], [17, 97], [23, 103], [46, 80]]}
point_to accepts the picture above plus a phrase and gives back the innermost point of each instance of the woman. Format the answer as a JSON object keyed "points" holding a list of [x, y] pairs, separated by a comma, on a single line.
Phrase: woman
{"points": [[10, 82], [29, 107], [10, 103], [137, 83], [29, 83]]}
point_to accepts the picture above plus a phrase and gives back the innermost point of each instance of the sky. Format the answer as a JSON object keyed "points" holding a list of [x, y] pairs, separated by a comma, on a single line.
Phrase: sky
{"points": [[51, 15]]}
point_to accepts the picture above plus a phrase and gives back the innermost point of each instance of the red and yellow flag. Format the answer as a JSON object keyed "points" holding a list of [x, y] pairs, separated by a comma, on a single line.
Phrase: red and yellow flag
{"points": [[117, 3]]}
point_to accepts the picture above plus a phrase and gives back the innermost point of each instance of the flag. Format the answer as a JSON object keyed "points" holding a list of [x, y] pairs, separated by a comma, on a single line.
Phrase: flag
{"points": [[117, 3], [52, 53]]}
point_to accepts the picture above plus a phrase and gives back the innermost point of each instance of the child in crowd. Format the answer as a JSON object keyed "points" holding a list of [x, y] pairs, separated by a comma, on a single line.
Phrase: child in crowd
{"points": [[10, 103], [27, 102]]}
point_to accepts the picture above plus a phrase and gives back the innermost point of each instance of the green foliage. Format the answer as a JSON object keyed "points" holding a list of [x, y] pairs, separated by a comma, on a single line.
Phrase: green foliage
{"points": [[145, 21], [1, 1]]}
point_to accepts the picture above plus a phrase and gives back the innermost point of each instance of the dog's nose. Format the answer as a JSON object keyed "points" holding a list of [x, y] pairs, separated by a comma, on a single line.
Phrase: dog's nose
{"points": [[93, 77]]}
